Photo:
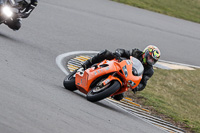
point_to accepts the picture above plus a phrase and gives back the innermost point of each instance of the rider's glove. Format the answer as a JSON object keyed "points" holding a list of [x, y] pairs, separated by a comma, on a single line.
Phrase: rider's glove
{"points": [[135, 90], [140, 87]]}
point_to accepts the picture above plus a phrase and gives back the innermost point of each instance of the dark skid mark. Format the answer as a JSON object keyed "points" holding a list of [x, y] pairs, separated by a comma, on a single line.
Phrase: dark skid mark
{"points": [[9, 38]]}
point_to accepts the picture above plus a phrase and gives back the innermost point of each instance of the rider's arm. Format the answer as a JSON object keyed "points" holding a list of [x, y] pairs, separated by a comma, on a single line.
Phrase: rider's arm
{"points": [[146, 76], [122, 53], [34, 2], [29, 8], [142, 84], [136, 53]]}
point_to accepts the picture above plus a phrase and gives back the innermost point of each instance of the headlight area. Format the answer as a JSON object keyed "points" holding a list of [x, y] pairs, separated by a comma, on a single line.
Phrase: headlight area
{"points": [[125, 71], [7, 11], [131, 83]]}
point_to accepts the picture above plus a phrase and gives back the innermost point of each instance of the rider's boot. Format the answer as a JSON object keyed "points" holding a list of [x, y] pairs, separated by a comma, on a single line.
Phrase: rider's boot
{"points": [[118, 97], [105, 54], [87, 64]]}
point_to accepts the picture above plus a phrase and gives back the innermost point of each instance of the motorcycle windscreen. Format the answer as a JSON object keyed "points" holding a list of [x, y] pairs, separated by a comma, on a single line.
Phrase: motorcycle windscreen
{"points": [[137, 65]]}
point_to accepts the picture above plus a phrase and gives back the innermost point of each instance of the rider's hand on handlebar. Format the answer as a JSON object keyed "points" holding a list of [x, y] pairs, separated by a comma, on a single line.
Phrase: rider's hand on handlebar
{"points": [[135, 89]]}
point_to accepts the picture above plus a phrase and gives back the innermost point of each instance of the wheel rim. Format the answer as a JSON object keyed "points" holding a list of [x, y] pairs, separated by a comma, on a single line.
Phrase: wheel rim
{"points": [[98, 89]]}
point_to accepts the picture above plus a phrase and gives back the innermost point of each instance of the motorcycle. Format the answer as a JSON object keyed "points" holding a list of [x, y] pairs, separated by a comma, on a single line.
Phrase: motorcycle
{"points": [[10, 10], [107, 78]]}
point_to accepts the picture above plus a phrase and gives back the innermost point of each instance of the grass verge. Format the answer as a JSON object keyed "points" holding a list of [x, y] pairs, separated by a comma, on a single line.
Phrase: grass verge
{"points": [[174, 95], [184, 9]]}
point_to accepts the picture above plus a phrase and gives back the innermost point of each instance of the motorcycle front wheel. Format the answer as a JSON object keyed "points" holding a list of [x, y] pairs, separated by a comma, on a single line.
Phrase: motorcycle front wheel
{"points": [[98, 93], [69, 82]]}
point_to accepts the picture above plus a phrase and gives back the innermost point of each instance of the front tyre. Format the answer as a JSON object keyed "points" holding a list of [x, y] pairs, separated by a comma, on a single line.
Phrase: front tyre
{"points": [[97, 94], [69, 82], [14, 24]]}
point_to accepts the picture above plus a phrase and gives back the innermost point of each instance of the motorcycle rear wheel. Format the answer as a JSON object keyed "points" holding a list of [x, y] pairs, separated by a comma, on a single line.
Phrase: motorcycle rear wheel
{"points": [[69, 82], [94, 96]]}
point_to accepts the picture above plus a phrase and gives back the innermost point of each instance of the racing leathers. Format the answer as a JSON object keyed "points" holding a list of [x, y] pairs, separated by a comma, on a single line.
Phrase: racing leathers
{"points": [[29, 8], [15, 23], [148, 69]]}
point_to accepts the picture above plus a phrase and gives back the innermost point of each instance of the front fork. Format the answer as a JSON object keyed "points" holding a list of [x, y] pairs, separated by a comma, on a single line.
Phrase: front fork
{"points": [[123, 84], [110, 78]]}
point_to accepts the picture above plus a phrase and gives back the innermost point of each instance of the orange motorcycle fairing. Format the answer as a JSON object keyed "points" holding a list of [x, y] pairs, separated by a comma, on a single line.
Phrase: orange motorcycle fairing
{"points": [[130, 77], [108, 78], [83, 81]]}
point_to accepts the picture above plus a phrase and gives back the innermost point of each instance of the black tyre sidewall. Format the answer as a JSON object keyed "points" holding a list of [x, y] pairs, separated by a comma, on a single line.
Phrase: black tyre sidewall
{"points": [[115, 85], [69, 82]]}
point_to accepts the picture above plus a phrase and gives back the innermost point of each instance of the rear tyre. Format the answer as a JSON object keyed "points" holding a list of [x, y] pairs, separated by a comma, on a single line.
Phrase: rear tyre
{"points": [[69, 82], [95, 96]]}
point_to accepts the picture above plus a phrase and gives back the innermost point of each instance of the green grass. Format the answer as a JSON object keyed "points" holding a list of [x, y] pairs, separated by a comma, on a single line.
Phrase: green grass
{"points": [[173, 93], [184, 9], [176, 94]]}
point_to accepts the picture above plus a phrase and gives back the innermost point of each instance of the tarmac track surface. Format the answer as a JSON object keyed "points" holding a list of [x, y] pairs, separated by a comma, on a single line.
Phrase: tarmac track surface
{"points": [[32, 98]]}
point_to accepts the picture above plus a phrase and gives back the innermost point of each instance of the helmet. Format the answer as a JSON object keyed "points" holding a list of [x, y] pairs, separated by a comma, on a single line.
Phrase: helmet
{"points": [[151, 54]]}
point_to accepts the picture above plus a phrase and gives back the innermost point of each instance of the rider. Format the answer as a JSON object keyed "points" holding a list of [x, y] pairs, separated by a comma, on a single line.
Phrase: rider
{"points": [[29, 8], [148, 58], [26, 10]]}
